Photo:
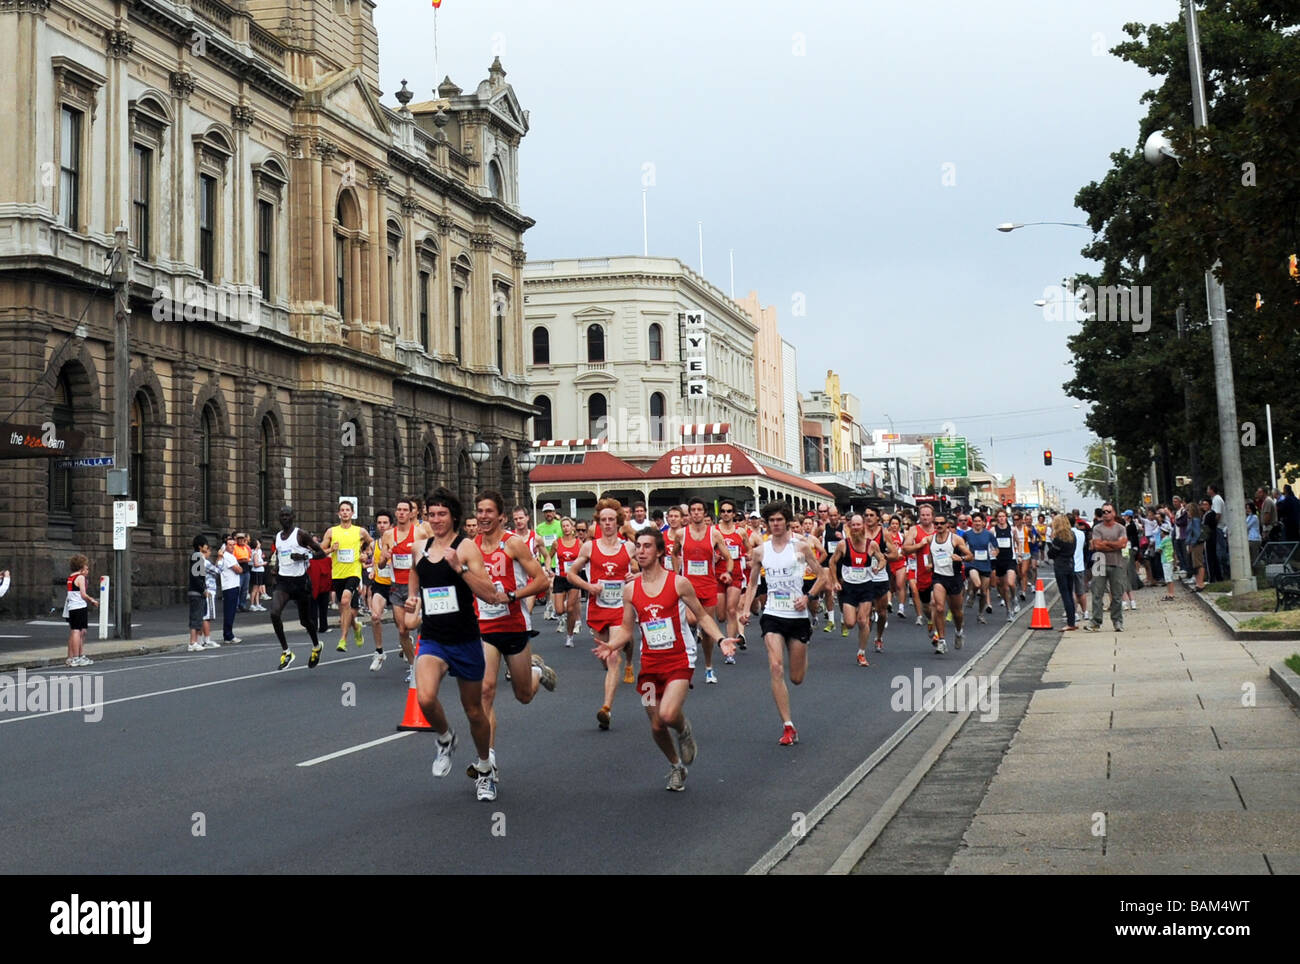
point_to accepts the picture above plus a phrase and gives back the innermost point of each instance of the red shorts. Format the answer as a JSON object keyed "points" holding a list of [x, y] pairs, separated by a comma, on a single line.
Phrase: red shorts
{"points": [[599, 617], [706, 587], [660, 679]]}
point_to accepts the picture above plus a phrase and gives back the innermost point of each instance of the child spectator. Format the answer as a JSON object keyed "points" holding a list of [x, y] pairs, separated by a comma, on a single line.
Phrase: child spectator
{"points": [[76, 609]]}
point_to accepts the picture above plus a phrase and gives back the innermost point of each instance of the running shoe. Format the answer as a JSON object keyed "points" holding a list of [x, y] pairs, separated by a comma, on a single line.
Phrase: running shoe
{"points": [[677, 778], [862, 659], [918, 620], [988, 610], [315, 656], [940, 647], [377, 662], [628, 675], [342, 647], [485, 786], [829, 627], [710, 676], [409, 673], [471, 770], [194, 647], [212, 644], [1022, 597], [548, 674], [961, 635], [1011, 618], [232, 639], [442, 762], [900, 611], [602, 717], [1016, 611], [880, 646], [568, 642], [286, 659], [845, 632], [356, 633], [982, 619], [559, 627], [729, 660], [741, 643], [789, 736], [686, 743], [1091, 628]]}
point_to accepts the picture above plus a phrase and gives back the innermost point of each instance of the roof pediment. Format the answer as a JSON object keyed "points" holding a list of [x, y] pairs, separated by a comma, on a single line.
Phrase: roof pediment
{"points": [[506, 106], [345, 94], [594, 311]]}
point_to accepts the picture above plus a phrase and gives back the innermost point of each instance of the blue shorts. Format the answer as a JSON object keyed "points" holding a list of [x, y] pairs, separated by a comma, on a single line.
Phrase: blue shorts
{"points": [[464, 660]]}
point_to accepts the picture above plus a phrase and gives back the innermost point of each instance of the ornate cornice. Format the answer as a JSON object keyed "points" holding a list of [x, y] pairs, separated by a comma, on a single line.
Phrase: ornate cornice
{"points": [[242, 117], [182, 84], [519, 257], [380, 180], [119, 43], [294, 145], [37, 7], [410, 205], [323, 148], [445, 224], [483, 241]]}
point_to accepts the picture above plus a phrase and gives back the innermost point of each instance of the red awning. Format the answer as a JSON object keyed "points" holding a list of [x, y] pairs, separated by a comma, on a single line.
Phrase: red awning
{"points": [[594, 467], [725, 462]]}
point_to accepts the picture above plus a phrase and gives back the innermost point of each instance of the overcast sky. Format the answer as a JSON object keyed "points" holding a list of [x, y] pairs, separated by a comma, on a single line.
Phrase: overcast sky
{"points": [[811, 139]]}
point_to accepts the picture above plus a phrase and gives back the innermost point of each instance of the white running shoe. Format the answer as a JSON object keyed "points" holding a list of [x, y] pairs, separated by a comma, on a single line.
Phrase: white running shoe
{"points": [[442, 762], [568, 642], [485, 785], [1016, 611], [677, 778], [213, 644], [194, 647], [919, 620], [1133, 604], [408, 676], [709, 676], [900, 610], [377, 662]]}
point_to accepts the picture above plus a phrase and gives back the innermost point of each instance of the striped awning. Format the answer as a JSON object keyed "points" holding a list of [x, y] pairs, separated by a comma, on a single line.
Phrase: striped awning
{"points": [[707, 428], [570, 442]]}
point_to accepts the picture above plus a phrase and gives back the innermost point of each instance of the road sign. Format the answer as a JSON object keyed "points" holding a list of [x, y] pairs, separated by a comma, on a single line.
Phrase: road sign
{"points": [[125, 515], [950, 457], [84, 463]]}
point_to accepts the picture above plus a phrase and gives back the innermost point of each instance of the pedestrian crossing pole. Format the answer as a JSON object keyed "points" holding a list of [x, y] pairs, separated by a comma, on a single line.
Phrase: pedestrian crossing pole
{"points": [[121, 279]]}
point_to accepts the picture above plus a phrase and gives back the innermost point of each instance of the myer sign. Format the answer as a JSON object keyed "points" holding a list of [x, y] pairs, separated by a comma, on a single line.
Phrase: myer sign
{"points": [[700, 465]]}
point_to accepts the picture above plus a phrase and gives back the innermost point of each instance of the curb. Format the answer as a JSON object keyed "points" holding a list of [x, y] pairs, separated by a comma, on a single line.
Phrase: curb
{"points": [[1287, 681], [1230, 623], [51, 656]]}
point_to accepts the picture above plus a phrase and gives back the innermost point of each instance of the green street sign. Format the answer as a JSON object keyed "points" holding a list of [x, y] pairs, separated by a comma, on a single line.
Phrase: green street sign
{"points": [[950, 457]]}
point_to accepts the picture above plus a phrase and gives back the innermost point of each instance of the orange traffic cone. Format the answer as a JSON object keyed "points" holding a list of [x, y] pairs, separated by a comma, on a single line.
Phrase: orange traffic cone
{"points": [[1042, 619], [413, 718]]}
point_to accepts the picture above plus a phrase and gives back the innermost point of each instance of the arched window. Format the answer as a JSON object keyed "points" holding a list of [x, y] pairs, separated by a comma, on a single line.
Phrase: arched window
{"points": [[597, 409], [500, 314], [136, 468], [657, 406], [347, 218], [465, 482], [595, 344], [656, 342], [207, 429], [61, 479], [495, 183], [430, 469], [542, 420], [264, 437], [541, 346]]}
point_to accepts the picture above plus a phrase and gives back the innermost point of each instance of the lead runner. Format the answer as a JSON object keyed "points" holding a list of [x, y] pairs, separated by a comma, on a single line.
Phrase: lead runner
{"points": [[659, 601]]}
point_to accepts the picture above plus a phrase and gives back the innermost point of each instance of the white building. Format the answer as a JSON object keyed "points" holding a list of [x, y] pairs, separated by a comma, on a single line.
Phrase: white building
{"points": [[633, 349], [790, 405]]}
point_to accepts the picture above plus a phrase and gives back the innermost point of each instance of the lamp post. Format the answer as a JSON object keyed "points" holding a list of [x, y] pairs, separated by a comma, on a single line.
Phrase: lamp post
{"points": [[480, 452], [1006, 227], [527, 461], [1234, 490]]}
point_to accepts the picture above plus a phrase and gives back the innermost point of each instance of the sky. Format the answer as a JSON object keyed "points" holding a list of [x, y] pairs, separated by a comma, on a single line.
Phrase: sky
{"points": [[853, 158]]}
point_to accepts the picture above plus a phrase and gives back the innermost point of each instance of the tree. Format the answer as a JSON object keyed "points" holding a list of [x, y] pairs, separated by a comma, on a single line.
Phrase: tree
{"points": [[975, 458]]}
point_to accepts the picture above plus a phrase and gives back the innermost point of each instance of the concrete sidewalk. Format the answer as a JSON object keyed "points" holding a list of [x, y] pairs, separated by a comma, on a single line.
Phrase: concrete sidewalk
{"points": [[1167, 751]]}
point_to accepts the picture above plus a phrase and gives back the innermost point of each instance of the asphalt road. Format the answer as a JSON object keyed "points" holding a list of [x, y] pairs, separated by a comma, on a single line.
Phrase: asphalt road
{"points": [[213, 742]]}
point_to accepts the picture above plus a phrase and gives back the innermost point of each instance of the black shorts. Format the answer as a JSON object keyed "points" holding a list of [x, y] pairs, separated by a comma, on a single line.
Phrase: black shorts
{"points": [[862, 593], [762, 586], [508, 643], [295, 587], [198, 612], [807, 586], [799, 629], [951, 584], [381, 589], [1001, 567], [350, 584], [79, 618], [925, 594], [561, 585]]}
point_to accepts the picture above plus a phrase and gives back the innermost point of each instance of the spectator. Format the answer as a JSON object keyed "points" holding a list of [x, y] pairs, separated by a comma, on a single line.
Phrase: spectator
{"points": [[1181, 522], [1219, 545], [1110, 539], [1268, 520], [202, 596], [1288, 513], [1167, 549], [1209, 526], [243, 555], [1252, 531], [76, 609], [1196, 542], [1130, 553], [1150, 534], [1082, 564], [1061, 551], [230, 572], [258, 587]]}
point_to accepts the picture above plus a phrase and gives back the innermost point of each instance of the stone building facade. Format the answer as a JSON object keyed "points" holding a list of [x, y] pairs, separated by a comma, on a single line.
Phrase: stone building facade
{"points": [[325, 290]]}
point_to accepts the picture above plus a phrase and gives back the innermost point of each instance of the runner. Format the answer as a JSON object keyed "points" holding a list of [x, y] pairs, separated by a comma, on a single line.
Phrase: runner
{"points": [[784, 623], [1004, 564], [638, 523], [917, 544], [548, 534], [830, 535], [739, 541], [345, 542], [610, 558], [523, 531], [381, 583], [699, 547], [898, 564], [979, 573], [658, 601], [880, 578], [294, 549], [448, 575], [566, 594], [947, 587], [1021, 530], [672, 535], [76, 609], [505, 626], [855, 560], [397, 551]]}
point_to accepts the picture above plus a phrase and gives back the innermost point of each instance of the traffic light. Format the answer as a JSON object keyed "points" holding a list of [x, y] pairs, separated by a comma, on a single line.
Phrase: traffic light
{"points": [[1071, 475], [1047, 457]]}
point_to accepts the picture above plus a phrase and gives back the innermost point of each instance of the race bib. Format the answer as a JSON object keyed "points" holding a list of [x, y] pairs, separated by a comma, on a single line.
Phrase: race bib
{"points": [[347, 555], [440, 601], [735, 550], [659, 634], [855, 575], [548, 541], [286, 557], [697, 567], [911, 563], [1004, 543], [401, 560], [981, 555], [487, 610], [781, 601], [831, 547], [925, 559], [611, 594], [385, 572]]}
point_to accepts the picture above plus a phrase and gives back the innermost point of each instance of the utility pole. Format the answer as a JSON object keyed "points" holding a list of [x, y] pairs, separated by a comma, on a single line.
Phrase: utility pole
{"points": [[1194, 460], [121, 278]]}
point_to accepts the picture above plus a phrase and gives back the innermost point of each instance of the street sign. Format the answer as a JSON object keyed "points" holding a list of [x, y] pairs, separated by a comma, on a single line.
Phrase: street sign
{"points": [[950, 457], [84, 463], [125, 515]]}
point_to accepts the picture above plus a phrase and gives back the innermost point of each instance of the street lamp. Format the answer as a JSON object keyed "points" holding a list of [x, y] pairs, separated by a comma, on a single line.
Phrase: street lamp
{"points": [[527, 461], [480, 452], [1007, 227]]}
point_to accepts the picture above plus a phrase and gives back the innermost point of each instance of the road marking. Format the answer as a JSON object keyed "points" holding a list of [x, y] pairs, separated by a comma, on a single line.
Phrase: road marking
{"points": [[356, 749], [176, 689], [15, 637]]}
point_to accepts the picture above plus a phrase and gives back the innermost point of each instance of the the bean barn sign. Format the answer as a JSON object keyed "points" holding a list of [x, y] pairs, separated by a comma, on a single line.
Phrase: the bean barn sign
{"points": [[38, 441]]}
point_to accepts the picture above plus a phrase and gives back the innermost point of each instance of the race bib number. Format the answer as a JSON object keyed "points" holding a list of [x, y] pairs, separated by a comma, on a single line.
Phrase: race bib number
{"points": [[548, 541], [611, 594], [384, 572], [347, 555], [855, 575], [831, 547], [734, 549], [487, 610], [659, 634], [401, 560], [911, 563], [925, 559], [697, 567], [286, 557], [781, 601], [440, 601], [1004, 543], [981, 555]]}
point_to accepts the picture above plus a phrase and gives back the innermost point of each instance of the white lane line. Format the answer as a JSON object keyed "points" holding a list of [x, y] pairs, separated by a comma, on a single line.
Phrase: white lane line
{"points": [[14, 637], [356, 749], [177, 689]]}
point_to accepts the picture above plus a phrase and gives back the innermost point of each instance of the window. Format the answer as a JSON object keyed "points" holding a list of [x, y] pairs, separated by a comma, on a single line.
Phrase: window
{"points": [[347, 225], [265, 236], [456, 321], [60, 500], [542, 420], [494, 179], [541, 346], [597, 409], [424, 311], [340, 273], [657, 406], [70, 168], [207, 428], [656, 342], [141, 181], [501, 333], [392, 289], [207, 227], [430, 469], [264, 473], [136, 468], [595, 344]]}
